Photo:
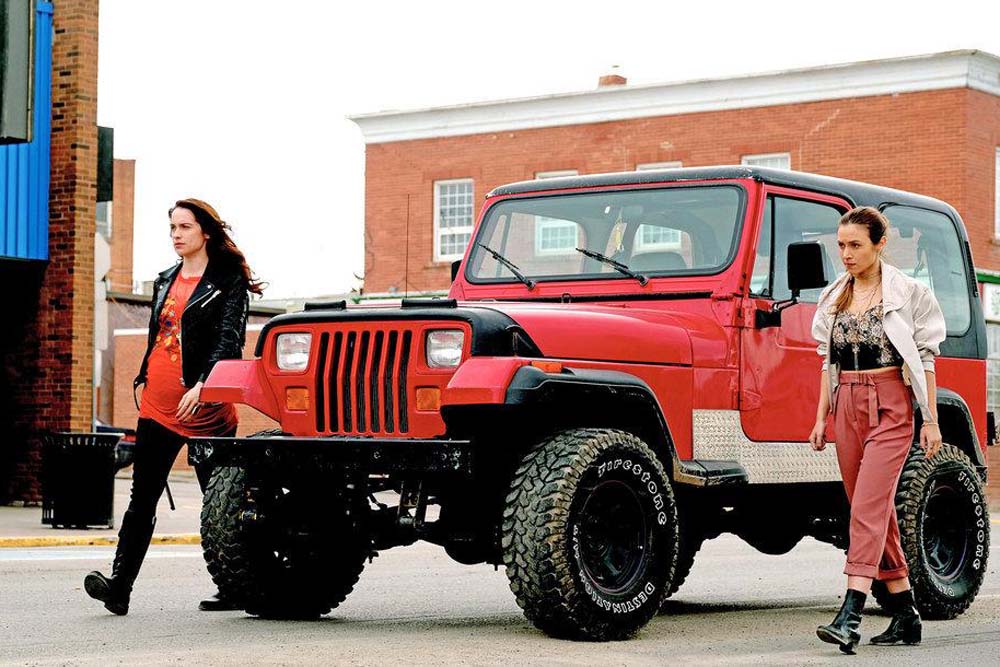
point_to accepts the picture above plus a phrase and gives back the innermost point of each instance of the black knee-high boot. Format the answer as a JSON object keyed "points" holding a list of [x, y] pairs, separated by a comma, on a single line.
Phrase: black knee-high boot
{"points": [[133, 541], [845, 629], [905, 625]]}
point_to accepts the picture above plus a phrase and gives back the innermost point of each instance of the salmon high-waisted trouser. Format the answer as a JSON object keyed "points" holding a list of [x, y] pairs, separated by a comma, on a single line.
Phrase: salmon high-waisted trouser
{"points": [[873, 420]]}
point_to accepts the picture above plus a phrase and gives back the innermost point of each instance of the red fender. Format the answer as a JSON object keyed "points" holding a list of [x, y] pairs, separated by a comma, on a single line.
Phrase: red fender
{"points": [[241, 381], [481, 380]]}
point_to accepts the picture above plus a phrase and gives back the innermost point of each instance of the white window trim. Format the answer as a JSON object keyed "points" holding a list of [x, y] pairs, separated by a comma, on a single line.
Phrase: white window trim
{"points": [[438, 257], [751, 160], [544, 223], [996, 196], [648, 247], [649, 166]]}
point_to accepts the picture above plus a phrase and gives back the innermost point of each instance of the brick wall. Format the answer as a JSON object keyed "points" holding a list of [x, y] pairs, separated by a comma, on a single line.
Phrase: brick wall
{"points": [[52, 384], [122, 215], [982, 131], [993, 484], [913, 141]]}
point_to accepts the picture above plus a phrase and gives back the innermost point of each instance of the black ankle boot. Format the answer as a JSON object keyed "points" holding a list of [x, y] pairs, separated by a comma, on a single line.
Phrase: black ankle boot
{"points": [[905, 625], [844, 631], [133, 541]]}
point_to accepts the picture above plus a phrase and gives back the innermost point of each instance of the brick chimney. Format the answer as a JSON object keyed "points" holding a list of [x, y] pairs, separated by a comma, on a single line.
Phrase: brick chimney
{"points": [[612, 79]]}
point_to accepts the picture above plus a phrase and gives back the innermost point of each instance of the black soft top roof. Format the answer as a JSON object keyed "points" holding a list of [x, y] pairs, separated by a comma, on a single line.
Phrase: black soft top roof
{"points": [[860, 194]]}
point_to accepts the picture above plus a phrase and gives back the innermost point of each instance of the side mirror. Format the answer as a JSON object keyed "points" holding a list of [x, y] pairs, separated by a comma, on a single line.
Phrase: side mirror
{"points": [[805, 267], [454, 269], [805, 271]]}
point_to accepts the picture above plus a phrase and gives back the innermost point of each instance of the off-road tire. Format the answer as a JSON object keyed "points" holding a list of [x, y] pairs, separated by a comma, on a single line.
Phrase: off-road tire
{"points": [[944, 527], [576, 573], [304, 583], [689, 543]]}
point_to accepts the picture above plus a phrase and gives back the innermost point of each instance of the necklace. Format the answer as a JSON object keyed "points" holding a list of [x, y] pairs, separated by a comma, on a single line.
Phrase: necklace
{"points": [[856, 332]]}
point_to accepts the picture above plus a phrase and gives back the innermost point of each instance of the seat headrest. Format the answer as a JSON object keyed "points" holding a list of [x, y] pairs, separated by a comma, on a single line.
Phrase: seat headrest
{"points": [[665, 260]]}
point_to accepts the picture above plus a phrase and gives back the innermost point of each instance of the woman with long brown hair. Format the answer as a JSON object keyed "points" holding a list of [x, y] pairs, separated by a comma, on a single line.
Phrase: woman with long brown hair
{"points": [[878, 331], [198, 316]]}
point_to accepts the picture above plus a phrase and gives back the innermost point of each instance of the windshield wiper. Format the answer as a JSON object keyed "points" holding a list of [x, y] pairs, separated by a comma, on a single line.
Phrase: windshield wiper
{"points": [[615, 264], [509, 264]]}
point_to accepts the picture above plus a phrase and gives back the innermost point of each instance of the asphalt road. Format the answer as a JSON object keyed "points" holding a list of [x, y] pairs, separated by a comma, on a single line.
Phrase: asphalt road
{"points": [[415, 606]]}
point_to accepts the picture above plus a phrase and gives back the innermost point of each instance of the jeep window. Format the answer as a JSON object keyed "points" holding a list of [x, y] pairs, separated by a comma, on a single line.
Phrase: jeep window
{"points": [[787, 221], [925, 245], [688, 230]]}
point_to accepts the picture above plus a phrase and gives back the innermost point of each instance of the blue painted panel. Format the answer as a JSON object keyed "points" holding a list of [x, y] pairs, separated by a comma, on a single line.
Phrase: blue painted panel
{"points": [[25, 168]]}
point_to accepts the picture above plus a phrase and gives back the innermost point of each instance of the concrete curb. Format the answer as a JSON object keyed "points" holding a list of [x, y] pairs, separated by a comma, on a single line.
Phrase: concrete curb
{"points": [[87, 541], [97, 541]]}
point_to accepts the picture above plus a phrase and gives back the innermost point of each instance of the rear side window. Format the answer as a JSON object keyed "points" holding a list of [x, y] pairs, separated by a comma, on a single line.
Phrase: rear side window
{"points": [[925, 245]]}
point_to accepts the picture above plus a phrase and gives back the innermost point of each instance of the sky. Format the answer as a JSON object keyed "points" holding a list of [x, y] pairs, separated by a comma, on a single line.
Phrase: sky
{"points": [[244, 104]]}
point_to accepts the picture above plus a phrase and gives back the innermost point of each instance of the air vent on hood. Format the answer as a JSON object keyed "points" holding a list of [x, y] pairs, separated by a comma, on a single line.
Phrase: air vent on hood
{"points": [[430, 303]]}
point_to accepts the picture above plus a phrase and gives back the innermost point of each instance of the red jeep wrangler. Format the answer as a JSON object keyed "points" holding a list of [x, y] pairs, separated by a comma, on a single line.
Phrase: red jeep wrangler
{"points": [[624, 368]]}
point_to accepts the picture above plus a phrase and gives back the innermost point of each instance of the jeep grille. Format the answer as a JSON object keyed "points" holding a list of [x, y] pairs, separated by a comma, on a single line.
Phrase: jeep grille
{"points": [[361, 381]]}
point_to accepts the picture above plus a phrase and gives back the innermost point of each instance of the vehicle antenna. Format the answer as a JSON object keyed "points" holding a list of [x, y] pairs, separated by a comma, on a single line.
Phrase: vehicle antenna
{"points": [[406, 269]]}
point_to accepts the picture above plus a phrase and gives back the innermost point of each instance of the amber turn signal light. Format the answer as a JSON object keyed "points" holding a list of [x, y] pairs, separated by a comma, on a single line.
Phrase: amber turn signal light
{"points": [[428, 398], [297, 398], [548, 366]]}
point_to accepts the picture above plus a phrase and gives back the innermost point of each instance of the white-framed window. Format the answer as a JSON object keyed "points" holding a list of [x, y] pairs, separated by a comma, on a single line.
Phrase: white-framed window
{"points": [[453, 221], [652, 237], [539, 175], [774, 160], [648, 166], [996, 196], [552, 236]]}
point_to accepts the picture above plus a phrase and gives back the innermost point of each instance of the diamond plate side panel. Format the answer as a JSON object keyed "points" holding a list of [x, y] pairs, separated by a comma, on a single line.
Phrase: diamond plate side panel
{"points": [[718, 435]]}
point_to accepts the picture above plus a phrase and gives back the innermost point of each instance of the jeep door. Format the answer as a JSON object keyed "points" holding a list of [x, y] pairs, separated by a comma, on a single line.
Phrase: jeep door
{"points": [[779, 366]]}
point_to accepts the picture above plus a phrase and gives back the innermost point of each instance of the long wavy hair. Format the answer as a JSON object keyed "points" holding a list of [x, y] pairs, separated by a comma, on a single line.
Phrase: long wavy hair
{"points": [[878, 227], [220, 246]]}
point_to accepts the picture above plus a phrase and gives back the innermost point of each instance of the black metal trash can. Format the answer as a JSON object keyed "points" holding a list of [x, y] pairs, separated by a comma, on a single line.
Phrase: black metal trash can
{"points": [[78, 479]]}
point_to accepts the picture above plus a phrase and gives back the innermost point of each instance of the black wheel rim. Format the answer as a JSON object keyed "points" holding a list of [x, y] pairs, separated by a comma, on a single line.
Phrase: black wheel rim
{"points": [[946, 530], [614, 537]]}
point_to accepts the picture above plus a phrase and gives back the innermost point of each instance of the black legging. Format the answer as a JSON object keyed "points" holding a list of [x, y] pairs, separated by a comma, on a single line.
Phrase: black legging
{"points": [[156, 448]]}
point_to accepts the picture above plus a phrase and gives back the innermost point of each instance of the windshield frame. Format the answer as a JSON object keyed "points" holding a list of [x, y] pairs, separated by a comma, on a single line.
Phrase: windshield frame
{"points": [[741, 212]]}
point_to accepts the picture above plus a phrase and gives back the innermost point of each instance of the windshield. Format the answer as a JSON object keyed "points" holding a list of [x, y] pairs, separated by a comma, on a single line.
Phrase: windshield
{"points": [[689, 230]]}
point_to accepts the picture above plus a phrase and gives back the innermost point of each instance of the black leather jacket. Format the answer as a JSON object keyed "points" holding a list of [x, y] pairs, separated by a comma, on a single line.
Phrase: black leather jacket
{"points": [[213, 325]]}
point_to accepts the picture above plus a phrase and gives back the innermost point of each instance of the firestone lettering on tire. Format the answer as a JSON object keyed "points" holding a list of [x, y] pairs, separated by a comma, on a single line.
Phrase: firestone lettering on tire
{"points": [[980, 550], [644, 477]]}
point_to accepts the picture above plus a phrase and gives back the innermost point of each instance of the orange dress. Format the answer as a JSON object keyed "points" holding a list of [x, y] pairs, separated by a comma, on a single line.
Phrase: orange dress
{"points": [[164, 381]]}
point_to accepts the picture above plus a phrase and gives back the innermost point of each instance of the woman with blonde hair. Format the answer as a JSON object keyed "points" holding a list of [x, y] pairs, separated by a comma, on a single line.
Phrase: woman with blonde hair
{"points": [[878, 331]]}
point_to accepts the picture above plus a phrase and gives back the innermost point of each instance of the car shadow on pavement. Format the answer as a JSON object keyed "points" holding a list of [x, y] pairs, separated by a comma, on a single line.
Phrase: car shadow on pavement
{"points": [[825, 602]]}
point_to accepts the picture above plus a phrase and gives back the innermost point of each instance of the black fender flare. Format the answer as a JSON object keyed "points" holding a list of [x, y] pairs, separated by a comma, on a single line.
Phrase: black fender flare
{"points": [[532, 386], [958, 410]]}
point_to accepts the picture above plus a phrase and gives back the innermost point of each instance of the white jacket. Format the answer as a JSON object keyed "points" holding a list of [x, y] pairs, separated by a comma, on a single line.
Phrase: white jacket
{"points": [[912, 321]]}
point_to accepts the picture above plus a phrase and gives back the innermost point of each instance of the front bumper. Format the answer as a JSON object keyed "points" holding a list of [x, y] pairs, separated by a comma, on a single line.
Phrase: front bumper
{"points": [[370, 455]]}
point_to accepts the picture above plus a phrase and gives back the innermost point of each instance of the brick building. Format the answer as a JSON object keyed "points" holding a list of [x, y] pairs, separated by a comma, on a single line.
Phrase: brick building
{"points": [[47, 349], [929, 124], [121, 219]]}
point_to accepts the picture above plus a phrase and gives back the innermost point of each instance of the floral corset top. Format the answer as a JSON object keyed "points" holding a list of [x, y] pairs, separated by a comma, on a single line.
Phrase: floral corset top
{"points": [[859, 343]]}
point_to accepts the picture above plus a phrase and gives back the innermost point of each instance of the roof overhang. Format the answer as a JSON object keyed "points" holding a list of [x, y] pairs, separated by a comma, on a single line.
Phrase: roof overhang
{"points": [[977, 70]]}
